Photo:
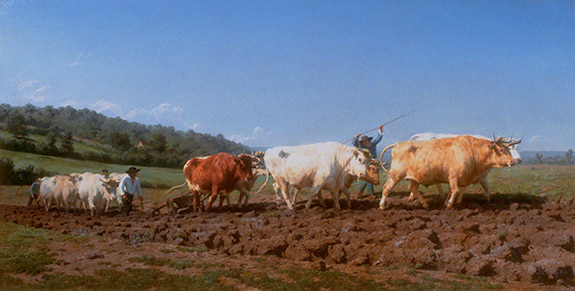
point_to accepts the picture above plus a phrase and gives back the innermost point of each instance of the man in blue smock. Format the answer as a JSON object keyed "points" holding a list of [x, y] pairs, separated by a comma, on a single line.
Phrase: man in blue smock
{"points": [[370, 144]]}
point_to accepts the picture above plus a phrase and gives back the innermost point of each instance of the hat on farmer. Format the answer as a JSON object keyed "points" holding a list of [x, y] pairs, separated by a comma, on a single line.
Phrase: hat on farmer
{"points": [[365, 138], [132, 169]]}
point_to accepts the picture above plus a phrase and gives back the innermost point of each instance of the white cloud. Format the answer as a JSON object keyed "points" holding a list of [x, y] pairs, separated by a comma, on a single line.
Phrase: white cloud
{"points": [[106, 106], [167, 111], [257, 135], [32, 90]]}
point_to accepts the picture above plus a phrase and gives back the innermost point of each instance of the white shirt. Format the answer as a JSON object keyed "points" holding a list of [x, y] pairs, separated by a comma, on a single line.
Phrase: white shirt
{"points": [[127, 185]]}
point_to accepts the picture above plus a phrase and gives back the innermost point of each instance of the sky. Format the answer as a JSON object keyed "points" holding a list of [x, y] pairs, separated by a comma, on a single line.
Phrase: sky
{"points": [[270, 73]]}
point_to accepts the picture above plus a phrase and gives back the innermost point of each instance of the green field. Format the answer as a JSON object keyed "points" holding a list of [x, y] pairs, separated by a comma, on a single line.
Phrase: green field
{"points": [[158, 177]]}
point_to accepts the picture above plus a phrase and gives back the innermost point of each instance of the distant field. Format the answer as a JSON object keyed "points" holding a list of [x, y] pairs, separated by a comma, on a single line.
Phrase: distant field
{"points": [[155, 176], [79, 147]]}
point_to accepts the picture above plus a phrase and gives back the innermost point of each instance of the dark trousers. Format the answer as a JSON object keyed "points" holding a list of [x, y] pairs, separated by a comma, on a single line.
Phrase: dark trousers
{"points": [[31, 199], [127, 203]]}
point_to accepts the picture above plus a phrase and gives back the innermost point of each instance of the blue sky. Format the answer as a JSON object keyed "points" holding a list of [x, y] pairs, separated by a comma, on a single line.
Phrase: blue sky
{"points": [[268, 73]]}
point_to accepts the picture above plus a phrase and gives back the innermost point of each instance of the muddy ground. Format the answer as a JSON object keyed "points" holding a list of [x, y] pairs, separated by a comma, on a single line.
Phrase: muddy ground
{"points": [[515, 241]]}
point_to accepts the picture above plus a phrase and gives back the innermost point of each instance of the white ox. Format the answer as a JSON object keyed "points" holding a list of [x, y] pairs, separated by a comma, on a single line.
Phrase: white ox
{"points": [[65, 192], [513, 149], [117, 177], [46, 192], [96, 193], [326, 166]]}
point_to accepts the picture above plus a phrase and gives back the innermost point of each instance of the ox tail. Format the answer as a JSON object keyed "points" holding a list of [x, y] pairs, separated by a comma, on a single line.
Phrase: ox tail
{"points": [[381, 156], [173, 188], [265, 182]]}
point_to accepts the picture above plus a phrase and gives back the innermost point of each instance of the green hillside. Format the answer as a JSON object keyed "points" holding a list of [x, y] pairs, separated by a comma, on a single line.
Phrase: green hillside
{"points": [[152, 176]]}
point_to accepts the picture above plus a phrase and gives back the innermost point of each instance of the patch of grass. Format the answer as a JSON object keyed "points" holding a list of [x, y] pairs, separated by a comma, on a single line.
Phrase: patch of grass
{"points": [[153, 261], [192, 249], [25, 261]]}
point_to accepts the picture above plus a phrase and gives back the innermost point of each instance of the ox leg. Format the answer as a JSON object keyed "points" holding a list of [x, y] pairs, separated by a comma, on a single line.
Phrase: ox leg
{"points": [[414, 188], [485, 186], [213, 196], [454, 193], [277, 190], [197, 199], [314, 191], [295, 192], [322, 202], [348, 196], [335, 196], [386, 190], [284, 191]]}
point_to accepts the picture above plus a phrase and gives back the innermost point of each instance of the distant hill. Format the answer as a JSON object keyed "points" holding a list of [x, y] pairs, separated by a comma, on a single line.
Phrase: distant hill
{"points": [[113, 139]]}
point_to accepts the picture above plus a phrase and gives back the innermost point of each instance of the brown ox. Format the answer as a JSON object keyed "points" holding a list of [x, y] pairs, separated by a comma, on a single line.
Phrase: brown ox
{"points": [[217, 174], [459, 161]]}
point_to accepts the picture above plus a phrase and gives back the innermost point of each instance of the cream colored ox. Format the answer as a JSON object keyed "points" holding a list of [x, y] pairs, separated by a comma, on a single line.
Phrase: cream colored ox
{"points": [[326, 166], [459, 161]]}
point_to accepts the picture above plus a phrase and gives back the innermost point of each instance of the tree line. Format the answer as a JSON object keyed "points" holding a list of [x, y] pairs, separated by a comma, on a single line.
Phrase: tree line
{"points": [[110, 140]]}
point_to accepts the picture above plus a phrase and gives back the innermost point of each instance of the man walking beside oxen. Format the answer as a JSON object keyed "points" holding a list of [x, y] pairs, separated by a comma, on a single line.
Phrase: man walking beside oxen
{"points": [[130, 186]]}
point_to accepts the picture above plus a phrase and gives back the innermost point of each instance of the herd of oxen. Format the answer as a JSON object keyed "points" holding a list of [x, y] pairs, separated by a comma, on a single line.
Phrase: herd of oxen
{"points": [[426, 159]]}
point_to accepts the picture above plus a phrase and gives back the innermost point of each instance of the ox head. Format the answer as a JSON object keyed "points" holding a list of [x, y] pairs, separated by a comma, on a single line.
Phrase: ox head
{"points": [[514, 149], [501, 151], [110, 184], [245, 166], [362, 167]]}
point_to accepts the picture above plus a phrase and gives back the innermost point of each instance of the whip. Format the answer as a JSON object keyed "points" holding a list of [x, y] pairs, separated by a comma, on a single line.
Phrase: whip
{"points": [[387, 123]]}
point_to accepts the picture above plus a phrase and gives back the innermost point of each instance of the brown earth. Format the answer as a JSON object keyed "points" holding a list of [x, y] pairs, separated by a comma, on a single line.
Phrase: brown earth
{"points": [[513, 242]]}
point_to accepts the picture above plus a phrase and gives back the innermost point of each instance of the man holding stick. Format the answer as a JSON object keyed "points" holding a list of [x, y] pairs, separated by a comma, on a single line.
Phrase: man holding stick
{"points": [[370, 144]]}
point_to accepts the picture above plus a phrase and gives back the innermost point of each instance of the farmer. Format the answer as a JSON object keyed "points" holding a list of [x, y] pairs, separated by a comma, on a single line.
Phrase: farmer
{"points": [[105, 173], [370, 144], [34, 191], [130, 186]]}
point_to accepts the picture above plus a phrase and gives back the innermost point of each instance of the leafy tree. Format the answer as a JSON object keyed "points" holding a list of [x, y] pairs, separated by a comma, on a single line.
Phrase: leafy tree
{"points": [[50, 147], [120, 141], [16, 125], [159, 142], [6, 171], [67, 144]]}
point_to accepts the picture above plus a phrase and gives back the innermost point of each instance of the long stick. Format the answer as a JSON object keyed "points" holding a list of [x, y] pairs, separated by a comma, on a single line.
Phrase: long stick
{"points": [[393, 120]]}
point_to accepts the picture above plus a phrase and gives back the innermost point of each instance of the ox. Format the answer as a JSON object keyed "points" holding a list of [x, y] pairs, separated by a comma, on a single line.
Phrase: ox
{"points": [[513, 149], [95, 193], [46, 192], [326, 166], [215, 174], [65, 192], [459, 161]]}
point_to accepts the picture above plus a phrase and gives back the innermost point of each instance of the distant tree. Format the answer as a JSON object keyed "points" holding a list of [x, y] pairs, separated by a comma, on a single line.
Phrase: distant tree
{"points": [[159, 143], [67, 144], [6, 171], [16, 125], [539, 158], [569, 156], [120, 141], [50, 147]]}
